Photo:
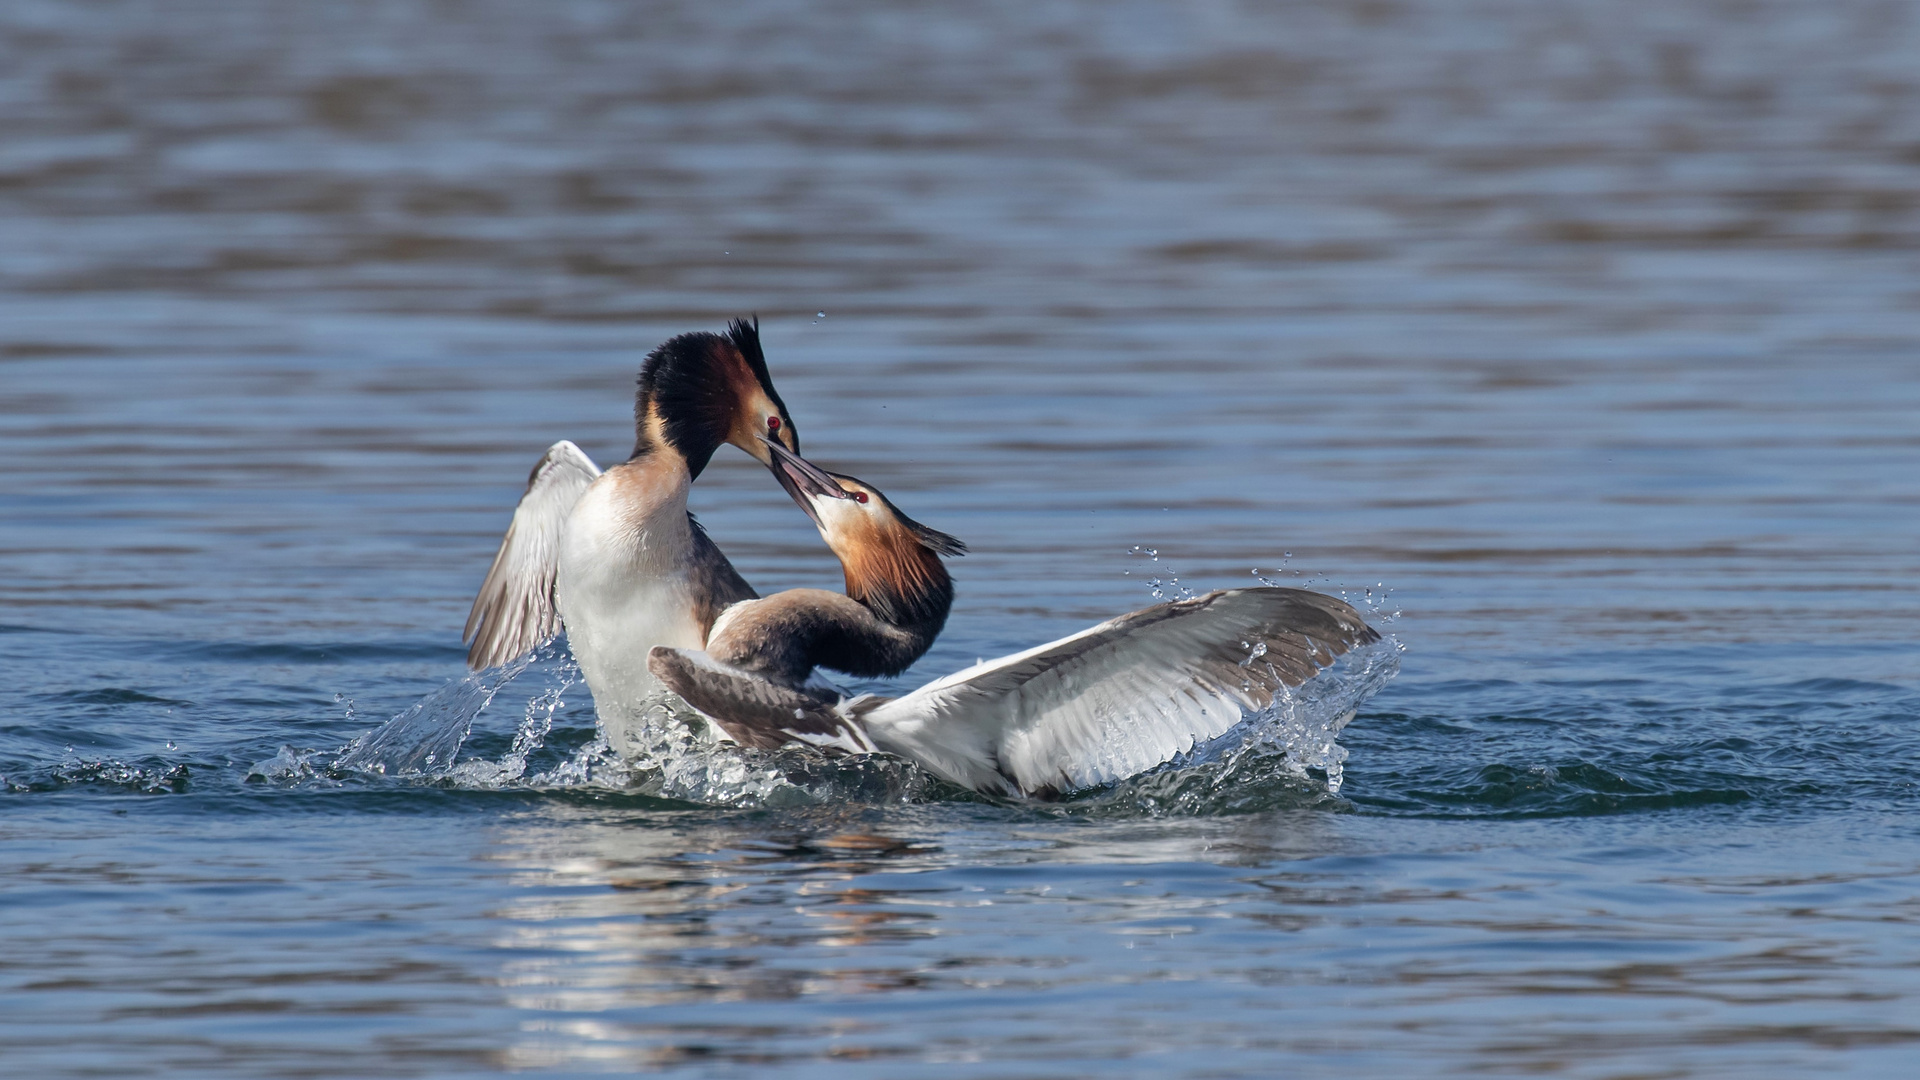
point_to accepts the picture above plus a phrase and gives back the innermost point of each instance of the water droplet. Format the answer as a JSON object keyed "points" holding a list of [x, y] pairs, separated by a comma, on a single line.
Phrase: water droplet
{"points": [[171, 746]]}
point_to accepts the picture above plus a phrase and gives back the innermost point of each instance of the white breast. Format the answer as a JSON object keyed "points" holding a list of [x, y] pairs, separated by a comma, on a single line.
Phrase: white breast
{"points": [[623, 586]]}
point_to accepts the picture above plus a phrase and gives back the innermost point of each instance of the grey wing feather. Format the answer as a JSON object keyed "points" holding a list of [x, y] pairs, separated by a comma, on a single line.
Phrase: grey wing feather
{"points": [[1121, 697], [514, 611], [758, 712]]}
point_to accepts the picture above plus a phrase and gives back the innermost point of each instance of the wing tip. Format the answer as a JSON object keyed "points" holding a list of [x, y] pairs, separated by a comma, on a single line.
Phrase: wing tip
{"points": [[752, 711], [513, 612]]}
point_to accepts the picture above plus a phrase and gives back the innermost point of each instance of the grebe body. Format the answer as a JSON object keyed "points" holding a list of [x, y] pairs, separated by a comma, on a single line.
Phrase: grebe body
{"points": [[614, 558], [1107, 703]]}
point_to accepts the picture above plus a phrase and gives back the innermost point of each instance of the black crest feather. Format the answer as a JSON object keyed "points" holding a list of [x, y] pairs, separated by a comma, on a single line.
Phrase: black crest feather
{"points": [[696, 401], [746, 337]]}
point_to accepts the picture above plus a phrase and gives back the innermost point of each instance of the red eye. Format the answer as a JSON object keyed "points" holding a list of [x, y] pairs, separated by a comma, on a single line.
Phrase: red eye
{"points": [[860, 497], [773, 423]]}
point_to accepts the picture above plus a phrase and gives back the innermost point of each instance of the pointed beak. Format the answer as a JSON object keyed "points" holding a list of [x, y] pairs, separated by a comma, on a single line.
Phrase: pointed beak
{"points": [[803, 480]]}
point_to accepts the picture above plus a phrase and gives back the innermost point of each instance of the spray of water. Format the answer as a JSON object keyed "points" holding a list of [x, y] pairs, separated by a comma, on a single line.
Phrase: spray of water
{"points": [[1287, 754], [672, 753]]}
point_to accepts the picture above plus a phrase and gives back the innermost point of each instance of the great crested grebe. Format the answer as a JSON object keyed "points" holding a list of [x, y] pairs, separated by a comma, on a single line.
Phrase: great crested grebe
{"points": [[614, 557], [1102, 705]]}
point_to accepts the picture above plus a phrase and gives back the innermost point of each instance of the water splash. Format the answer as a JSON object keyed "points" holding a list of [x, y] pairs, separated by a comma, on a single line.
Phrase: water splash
{"points": [[1278, 580], [673, 753], [1167, 587], [1285, 754], [286, 767], [1374, 601], [666, 752], [426, 738], [147, 776], [536, 723], [1288, 751]]}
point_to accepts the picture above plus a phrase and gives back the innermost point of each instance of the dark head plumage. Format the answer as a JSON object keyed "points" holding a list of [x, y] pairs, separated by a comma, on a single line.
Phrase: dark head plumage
{"points": [[746, 338], [699, 390]]}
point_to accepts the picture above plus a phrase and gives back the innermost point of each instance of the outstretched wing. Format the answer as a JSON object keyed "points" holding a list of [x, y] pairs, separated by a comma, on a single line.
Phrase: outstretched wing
{"points": [[514, 611], [755, 711], [1121, 697]]}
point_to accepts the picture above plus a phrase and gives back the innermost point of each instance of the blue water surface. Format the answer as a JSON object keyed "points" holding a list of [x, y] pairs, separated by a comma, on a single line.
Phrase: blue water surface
{"points": [[1578, 343]]}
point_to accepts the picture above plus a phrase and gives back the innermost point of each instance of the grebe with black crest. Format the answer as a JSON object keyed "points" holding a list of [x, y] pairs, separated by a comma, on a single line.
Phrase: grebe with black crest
{"points": [[614, 558]]}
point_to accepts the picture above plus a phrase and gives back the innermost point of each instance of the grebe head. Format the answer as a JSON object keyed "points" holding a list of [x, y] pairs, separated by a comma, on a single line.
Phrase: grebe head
{"points": [[892, 562], [700, 390]]}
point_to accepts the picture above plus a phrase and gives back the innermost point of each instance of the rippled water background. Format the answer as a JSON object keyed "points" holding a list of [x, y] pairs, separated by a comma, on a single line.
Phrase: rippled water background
{"points": [[1585, 334]]}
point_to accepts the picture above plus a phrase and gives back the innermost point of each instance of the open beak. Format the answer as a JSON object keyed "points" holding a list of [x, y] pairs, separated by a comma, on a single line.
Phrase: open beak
{"points": [[803, 480]]}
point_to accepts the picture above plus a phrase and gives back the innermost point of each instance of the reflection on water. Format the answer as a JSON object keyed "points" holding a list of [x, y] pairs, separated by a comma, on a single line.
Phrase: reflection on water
{"points": [[836, 943], [827, 943], [1583, 333], [589, 936]]}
